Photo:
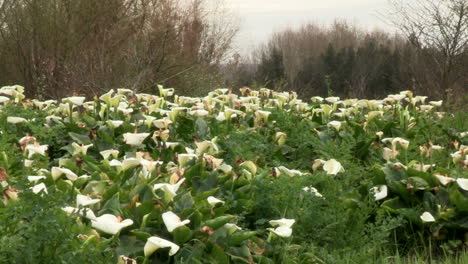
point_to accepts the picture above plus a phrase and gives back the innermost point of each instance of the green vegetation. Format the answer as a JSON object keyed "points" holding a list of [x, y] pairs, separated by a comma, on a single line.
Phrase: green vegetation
{"points": [[260, 177]]}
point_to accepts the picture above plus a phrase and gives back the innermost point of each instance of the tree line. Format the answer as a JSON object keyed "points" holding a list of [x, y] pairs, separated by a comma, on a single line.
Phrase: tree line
{"points": [[59, 47], [428, 55], [344, 60]]}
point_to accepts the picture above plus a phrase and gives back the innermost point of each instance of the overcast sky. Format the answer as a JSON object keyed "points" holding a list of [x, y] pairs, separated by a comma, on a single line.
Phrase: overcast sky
{"points": [[260, 18]]}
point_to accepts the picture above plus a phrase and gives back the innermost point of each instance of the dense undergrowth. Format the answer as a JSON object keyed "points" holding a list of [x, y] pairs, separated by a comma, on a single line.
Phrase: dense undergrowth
{"points": [[349, 181]]}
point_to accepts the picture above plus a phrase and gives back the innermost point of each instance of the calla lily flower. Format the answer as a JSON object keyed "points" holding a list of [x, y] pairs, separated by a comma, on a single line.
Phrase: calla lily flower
{"points": [[250, 166], [288, 172], [317, 164], [427, 217], [169, 189], [313, 190], [332, 167], [463, 183], [172, 221], [389, 154], [80, 149], [214, 201], [135, 139], [394, 141], [282, 222], [39, 187], [332, 99], [125, 164], [4, 99], [84, 200], [154, 243], [184, 158], [380, 192], [84, 212], [110, 224], [335, 124], [35, 178], [280, 138], [16, 120], [106, 153], [262, 115], [231, 228], [282, 231], [444, 180], [57, 172], [74, 100], [423, 167], [199, 113], [162, 123], [283, 227], [114, 123], [36, 149]]}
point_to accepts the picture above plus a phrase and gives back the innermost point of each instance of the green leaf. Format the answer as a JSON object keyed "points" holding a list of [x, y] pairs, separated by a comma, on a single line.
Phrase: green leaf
{"points": [[460, 202], [426, 176], [393, 204], [112, 206], [141, 235], [219, 221], [400, 189], [202, 129], [218, 256], [79, 138], [392, 174], [184, 202], [182, 234], [418, 183], [238, 237], [430, 202]]}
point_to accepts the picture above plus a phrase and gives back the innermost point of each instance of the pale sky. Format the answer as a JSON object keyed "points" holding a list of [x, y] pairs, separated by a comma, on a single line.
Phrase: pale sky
{"points": [[260, 18]]}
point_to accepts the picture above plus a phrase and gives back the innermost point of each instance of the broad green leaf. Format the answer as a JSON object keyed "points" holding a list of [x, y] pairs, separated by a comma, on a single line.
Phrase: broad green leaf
{"points": [[80, 138], [238, 237], [181, 235], [219, 221]]}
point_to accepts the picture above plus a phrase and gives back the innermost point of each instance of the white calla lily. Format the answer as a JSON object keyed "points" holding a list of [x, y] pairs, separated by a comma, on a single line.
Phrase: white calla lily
{"points": [[427, 217], [80, 149], [57, 172], [214, 201], [332, 167], [36, 149], [282, 231], [85, 212], [41, 187], [110, 224], [107, 153], [74, 100], [170, 190], [463, 183], [16, 120], [154, 243], [83, 200], [172, 221], [335, 124], [379, 192], [443, 179], [283, 227], [35, 178], [135, 139]]}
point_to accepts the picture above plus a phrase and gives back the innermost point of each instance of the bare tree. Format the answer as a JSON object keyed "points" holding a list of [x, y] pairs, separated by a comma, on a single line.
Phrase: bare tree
{"points": [[439, 29]]}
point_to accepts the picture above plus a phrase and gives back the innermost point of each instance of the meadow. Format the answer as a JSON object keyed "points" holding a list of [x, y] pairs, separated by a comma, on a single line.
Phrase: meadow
{"points": [[256, 176]]}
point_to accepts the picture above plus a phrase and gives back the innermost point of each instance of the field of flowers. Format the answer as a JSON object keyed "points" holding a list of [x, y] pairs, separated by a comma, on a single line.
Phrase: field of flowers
{"points": [[259, 177]]}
